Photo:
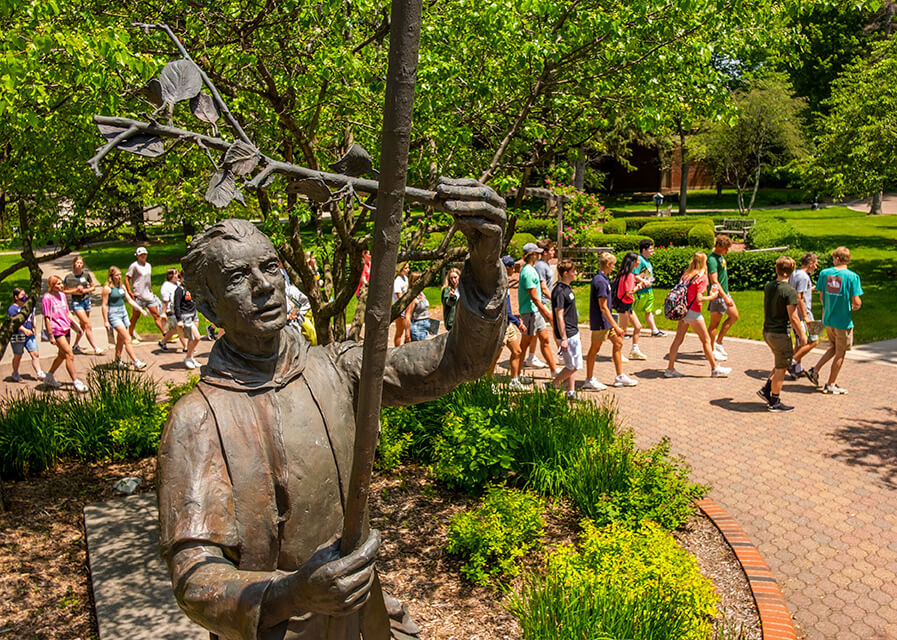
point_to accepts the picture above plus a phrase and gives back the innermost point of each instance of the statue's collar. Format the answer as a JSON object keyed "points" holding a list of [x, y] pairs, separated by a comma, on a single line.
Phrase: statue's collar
{"points": [[233, 369]]}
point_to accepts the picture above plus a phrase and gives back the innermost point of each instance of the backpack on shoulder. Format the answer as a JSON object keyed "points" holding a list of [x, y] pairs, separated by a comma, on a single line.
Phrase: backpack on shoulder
{"points": [[615, 303], [677, 303]]}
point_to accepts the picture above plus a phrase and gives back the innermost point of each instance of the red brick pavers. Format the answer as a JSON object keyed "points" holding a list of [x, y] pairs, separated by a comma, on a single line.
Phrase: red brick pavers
{"points": [[814, 489]]}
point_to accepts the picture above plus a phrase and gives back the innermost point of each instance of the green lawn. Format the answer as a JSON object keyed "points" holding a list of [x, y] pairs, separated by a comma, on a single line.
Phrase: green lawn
{"points": [[707, 199]]}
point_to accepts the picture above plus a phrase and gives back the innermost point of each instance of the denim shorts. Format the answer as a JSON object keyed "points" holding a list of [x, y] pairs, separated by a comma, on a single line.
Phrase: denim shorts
{"points": [[420, 330], [80, 305], [146, 304], [20, 346], [118, 317]]}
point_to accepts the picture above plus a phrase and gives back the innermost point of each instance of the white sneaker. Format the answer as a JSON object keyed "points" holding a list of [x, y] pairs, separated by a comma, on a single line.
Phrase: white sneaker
{"points": [[51, 381], [719, 347], [536, 363], [719, 355], [195, 363], [623, 358], [80, 387], [41, 375], [516, 385], [594, 385], [721, 372], [139, 365], [623, 380], [189, 363], [119, 364], [556, 373], [522, 379], [571, 395], [672, 373], [636, 354], [99, 352]]}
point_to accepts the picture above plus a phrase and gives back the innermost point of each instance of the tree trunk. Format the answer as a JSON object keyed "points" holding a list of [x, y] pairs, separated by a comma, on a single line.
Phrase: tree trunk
{"points": [[875, 207], [683, 180], [135, 213], [579, 169]]}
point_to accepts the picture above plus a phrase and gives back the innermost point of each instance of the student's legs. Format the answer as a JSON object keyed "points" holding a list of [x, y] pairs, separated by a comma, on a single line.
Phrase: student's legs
{"points": [[594, 347], [837, 362], [545, 344], [681, 330], [636, 327], [35, 362], [526, 342], [617, 353], [701, 329], [192, 340], [649, 321], [135, 316], [86, 328], [624, 322], [713, 327], [828, 355], [731, 318], [400, 332], [776, 379], [800, 352], [16, 359], [65, 355], [566, 378], [154, 312], [122, 341]]}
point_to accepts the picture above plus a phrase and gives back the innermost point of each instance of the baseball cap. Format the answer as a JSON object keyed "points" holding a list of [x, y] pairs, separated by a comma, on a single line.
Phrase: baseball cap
{"points": [[508, 261], [140, 251], [531, 247]]}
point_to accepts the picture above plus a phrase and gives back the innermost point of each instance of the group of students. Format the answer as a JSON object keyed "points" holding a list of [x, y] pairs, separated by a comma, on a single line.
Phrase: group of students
{"points": [[69, 298], [414, 322], [619, 301]]}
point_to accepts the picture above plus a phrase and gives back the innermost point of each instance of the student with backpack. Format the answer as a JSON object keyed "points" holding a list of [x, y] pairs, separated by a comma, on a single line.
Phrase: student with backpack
{"points": [[683, 304], [624, 286]]}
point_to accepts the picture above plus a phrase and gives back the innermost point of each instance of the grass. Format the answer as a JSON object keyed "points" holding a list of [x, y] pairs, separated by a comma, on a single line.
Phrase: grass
{"points": [[707, 199]]}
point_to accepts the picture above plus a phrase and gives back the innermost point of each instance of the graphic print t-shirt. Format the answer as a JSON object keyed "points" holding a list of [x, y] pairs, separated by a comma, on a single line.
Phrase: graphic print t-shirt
{"points": [[838, 286]]}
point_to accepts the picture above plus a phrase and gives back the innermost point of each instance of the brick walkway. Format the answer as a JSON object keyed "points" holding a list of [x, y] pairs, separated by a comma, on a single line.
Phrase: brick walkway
{"points": [[815, 489]]}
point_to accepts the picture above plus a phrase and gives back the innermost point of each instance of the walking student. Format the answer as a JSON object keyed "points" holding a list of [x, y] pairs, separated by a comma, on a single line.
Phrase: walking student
{"points": [[188, 321], [58, 325], [803, 284], [511, 339], [418, 315], [839, 290], [644, 297], [696, 279], [723, 304], [565, 323], [780, 305], [450, 295], [23, 339], [604, 327], [627, 284], [399, 287], [533, 312], [115, 315], [139, 283], [546, 284], [78, 285], [166, 293]]}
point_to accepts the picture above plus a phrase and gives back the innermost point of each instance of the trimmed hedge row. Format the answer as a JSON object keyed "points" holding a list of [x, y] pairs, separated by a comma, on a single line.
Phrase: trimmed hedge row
{"points": [[614, 226], [515, 247], [637, 222], [775, 232], [539, 227], [618, 241], [674, 232]]}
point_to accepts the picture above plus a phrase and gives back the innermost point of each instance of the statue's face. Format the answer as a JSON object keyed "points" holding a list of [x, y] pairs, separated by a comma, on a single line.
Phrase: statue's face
{"points": [[248, 286]]}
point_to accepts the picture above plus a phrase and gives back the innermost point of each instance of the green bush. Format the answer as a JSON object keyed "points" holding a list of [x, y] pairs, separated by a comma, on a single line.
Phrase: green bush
{"points": [[775, 232], [28, 437], [493, 537], [622, 583], [618, 242], [634, 223], [394, 443], [701, 235], [753, 270], [672, 231], [538, 227], [515, 247], [138, 436], [616, 227]]}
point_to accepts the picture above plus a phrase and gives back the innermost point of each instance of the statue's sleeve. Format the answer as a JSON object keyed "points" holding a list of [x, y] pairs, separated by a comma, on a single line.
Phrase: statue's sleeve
{"points": [[424, 370], [198, 533]]}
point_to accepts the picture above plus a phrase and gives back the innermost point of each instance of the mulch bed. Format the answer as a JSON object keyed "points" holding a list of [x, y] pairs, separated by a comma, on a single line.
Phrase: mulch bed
{"points": [[45, 586]]}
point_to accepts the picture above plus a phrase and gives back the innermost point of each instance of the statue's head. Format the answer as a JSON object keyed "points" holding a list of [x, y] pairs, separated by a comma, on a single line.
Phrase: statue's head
{"points": [[232, 271]]}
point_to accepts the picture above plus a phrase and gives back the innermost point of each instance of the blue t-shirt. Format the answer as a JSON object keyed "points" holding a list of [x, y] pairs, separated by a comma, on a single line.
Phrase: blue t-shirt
{"points": [[29, 321], [838, 286], [600, 288], [644, 265]]}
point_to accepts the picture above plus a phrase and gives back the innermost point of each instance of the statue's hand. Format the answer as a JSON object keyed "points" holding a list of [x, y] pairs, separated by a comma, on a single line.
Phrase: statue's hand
{"points": [[479, 213], [335, 586]]}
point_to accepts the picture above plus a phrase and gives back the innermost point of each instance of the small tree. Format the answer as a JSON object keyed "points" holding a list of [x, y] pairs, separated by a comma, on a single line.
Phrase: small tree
{"points": [[857, 145], [766, 130]]}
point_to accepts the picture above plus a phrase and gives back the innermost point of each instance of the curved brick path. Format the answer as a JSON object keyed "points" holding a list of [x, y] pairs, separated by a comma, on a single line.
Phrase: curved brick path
{"points": [[815, 489]]}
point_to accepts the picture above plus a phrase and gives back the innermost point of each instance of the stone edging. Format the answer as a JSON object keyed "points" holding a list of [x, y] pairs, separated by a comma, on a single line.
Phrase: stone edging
{"points": [[775, 620]]}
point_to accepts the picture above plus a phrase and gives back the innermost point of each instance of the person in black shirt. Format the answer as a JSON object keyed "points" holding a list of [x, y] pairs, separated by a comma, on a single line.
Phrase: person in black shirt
{"points": [[188, 319], [565, 322], [779, 308]]}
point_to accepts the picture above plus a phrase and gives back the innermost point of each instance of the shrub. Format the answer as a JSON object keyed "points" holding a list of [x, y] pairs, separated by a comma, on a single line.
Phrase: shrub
{"points": [[635, 223], [394, 443], [753, 270], [539, 227], [618, 242], [494, 536], [616, 227], [635, 584], [672, 231], [28, 439], [139, 435], [701, 235], [774, 232], [515, 247]]}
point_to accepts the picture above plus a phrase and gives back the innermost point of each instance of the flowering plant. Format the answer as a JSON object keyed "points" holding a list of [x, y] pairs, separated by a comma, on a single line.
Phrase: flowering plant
{"points": [[581, 211]]}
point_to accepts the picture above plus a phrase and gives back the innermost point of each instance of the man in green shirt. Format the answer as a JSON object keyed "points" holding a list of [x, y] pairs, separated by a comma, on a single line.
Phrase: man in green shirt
{"points": [[779, 309], [839, 291], [533, 313], [723, 304]]}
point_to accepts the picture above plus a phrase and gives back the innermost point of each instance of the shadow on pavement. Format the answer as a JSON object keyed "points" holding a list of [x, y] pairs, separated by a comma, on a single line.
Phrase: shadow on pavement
{"points": [[872, 444], [729, 404]]}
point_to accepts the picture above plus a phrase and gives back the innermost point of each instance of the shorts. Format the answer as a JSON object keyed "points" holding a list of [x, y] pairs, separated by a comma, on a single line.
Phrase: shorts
{"points": [[420, 330], [534, 323], [644, 301], [172, 322], [718, 305], [624, 307], [510, 335], [80, 305], [189, 319], [781, 347], [118, 317], [692, 316], [573, 355], [841, 338], [600, 335], [146, 304], [20, 346]]}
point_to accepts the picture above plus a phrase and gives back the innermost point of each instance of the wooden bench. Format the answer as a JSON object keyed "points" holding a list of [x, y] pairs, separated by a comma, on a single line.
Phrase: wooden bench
{"points": [[735, 226], [767, 249]]}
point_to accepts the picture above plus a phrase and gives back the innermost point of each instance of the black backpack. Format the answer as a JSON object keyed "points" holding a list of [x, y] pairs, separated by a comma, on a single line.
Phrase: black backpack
{"points": [[615, 303]]}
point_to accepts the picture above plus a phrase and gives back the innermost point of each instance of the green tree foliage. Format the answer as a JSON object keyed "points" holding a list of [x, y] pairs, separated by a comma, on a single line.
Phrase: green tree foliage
{"points": [[767, 129], [857, 144]]}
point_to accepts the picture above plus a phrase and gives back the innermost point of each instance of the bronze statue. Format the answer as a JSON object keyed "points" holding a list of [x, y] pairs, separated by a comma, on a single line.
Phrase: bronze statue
{"points": [[254, 463]]}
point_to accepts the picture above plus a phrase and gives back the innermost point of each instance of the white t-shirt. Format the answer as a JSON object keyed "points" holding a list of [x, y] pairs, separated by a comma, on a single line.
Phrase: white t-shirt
{"points": [[802, 283], [166, 292], [399, 287], [141, 281]]}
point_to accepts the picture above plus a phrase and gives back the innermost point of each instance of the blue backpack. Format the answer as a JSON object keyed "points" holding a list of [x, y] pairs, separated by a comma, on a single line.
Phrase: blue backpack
{"points": [[677, 303]]}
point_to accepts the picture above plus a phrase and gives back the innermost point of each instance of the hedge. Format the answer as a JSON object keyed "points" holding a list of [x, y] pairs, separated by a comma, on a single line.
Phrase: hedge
{"points": [[637, 222], [618, 241], [673, 232], [775, 232], [746, 270], [539, 227], [701, 235], [617, 227], [515, 247]]}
